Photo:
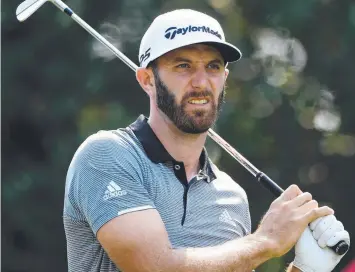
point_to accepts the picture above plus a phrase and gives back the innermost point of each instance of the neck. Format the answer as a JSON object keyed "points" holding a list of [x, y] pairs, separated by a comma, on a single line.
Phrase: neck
{"points": [[181, 146]]}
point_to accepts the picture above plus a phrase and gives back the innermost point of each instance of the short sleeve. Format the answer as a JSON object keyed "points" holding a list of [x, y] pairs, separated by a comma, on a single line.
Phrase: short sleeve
{"points": [[106, 177]]}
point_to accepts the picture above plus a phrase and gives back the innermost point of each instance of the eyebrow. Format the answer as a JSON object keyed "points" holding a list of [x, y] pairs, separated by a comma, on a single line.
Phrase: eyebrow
{"points": [[181, 59], [218, 61]]}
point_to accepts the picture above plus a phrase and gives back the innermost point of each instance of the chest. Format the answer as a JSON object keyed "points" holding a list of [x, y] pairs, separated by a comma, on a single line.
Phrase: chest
{"points": [[202, 213]]}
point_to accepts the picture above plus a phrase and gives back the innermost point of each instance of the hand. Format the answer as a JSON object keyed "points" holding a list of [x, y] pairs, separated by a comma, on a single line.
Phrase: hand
{"points": [[312, 252], [287, 218]]}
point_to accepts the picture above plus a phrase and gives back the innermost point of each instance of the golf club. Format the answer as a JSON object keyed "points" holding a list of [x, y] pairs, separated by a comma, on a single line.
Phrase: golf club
{"points": [[28, 7]]}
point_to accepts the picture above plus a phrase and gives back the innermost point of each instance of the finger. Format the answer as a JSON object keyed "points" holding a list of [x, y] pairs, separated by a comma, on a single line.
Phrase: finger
{"points": [[313, 214], [291, 192], [323, 225], [334, 228], [301, 199], [307, 207], [342, 235], [314, 224]]}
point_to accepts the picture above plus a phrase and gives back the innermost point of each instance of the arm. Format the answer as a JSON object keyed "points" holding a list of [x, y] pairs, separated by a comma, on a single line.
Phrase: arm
{"points": [[129, 227], [137, 246], [132, 233]]}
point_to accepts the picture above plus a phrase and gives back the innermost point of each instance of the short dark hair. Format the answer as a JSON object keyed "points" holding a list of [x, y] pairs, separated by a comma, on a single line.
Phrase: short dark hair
{"points": [[153, 64]]}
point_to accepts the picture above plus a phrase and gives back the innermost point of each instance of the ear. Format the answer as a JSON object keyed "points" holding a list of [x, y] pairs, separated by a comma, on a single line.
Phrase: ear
{"points": [[226, 73], [145, 78]]}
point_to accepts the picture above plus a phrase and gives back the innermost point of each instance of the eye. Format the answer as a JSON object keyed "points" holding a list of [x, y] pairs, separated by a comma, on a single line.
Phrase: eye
{"points": [[214, 66], [183, 65]]}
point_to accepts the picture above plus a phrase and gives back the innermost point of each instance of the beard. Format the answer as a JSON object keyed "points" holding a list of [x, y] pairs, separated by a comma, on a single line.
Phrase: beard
{"points": [[199, 121]]}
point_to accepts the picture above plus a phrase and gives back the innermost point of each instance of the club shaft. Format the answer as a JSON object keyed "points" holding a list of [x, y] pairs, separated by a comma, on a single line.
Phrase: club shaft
{"points": [[234, 153], [63, 7], [340, 248], [105, 42]]}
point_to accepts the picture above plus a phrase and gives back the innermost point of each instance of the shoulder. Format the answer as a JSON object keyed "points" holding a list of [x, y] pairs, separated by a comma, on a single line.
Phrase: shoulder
{"points": [[105, 140], [225, 180], [106, 147], [104, 154]]}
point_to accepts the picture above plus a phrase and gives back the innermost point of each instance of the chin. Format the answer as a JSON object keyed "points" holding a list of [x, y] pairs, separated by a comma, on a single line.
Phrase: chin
{"points": [[199, 125], [194, 131]]}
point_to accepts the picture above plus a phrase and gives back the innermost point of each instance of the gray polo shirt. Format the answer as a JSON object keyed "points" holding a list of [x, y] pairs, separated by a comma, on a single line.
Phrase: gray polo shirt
{"points": [[126, 170]]}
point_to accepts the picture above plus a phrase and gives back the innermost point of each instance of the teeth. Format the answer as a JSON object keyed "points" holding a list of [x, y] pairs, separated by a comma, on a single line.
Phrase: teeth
{"points": [[195, 101]]}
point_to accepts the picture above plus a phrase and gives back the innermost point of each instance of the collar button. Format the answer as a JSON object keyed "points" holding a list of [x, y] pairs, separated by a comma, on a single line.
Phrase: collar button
{"points": [[177, 167]]}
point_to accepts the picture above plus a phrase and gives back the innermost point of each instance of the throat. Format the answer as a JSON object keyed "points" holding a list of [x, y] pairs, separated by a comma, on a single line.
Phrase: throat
{"points": [[191, 172]]}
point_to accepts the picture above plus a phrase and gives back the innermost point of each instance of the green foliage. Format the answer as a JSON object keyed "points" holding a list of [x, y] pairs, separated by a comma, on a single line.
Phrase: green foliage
{"points": [[290, 106]]}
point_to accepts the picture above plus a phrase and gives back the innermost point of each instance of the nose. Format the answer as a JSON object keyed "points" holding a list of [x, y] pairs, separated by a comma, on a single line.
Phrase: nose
{"points": [[200, 79]]}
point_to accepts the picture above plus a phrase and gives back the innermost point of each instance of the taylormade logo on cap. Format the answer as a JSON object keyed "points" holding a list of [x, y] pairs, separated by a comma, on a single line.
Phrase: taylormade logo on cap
{"points": [[171, 32], [183, 27]]}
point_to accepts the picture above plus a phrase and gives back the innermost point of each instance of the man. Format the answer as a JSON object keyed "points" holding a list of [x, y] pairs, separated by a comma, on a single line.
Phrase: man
{"points": [[148, 198]]}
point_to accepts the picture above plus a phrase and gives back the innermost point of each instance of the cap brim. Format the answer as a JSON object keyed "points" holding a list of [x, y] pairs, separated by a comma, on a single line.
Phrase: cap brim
{"points": [[229, 52]]}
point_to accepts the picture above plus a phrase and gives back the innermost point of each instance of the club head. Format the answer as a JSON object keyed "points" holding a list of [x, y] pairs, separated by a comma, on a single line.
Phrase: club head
{"points": [[27, 8]]}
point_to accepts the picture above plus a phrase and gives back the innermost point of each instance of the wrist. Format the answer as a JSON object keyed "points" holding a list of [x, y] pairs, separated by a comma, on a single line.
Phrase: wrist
{"points": [[266, 246], [301, 266], [293, 268]]}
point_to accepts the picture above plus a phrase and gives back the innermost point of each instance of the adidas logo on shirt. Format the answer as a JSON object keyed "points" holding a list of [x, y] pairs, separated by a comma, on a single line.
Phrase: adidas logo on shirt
{"points": [[113, 190], [226, 218]]}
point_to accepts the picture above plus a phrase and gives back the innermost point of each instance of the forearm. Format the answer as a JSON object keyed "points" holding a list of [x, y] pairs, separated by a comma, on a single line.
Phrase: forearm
{"points": [[244, 254]]}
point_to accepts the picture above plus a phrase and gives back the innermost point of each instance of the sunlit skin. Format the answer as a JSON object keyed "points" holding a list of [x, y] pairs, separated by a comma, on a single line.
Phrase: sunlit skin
{"points": [[194, 68]]}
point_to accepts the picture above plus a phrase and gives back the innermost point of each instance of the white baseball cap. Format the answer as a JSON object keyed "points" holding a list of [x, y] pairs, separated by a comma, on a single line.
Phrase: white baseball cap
{"points": [[183, 27]]}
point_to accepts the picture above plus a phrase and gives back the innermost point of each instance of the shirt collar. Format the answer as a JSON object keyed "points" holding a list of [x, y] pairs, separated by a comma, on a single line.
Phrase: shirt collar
{"points": [[157, 152]]}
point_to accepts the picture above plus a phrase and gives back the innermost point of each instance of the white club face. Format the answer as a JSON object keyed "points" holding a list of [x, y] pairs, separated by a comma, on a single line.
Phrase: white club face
{"points": [[27, 8]]}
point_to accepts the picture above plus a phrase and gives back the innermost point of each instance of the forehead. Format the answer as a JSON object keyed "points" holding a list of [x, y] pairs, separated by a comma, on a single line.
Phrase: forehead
{"points": [[194, 51]]}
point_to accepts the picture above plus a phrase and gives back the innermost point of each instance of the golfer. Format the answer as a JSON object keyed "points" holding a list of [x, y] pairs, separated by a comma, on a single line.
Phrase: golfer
{"points": [[147, 197]]}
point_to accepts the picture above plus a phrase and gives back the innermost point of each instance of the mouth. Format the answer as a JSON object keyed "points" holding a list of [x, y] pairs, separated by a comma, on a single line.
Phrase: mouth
{"points": [[198, 101]]}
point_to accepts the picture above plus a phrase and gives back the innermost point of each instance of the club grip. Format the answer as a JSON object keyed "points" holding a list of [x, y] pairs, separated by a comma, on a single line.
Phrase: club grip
{"points": [[340, 248], [269, 184]]}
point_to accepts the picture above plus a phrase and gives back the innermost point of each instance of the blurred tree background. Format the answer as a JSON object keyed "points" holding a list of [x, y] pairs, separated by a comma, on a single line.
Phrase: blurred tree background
{"points": [[290, 107]]}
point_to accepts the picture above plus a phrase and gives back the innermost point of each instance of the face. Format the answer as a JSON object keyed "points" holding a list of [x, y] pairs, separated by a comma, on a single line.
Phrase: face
{"points": [[190, 87]]}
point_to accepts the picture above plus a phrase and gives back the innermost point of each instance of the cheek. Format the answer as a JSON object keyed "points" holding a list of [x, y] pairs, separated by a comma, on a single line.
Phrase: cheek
{"points": [[218, 85], [178, 89]]}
